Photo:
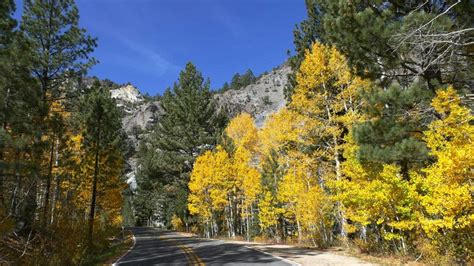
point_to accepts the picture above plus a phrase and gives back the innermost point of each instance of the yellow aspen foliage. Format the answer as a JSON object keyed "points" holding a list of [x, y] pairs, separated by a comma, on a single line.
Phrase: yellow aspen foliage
{"points": [[199, 201], [281, 133], [446, 188], [225, 186], [282, 127], [80, 170], [376, 195], [209, 184], [304, 199], [221, 183], [435, 203], [326, 95], [325, 83], [247, 178], [268, 210], [315, 207], [290, 189], [355, 189], [176, 223], [243, 132]]}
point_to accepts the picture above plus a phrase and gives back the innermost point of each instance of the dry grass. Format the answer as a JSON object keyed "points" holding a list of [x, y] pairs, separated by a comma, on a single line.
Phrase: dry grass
{"points": [[117, 250]]}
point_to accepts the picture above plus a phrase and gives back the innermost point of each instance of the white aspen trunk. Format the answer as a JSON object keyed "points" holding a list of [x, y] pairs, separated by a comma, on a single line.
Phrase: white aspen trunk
{"points": [[231, 219], [363, 233], [248, 225], [340, 209], [53, 203], [300, 236], [228, 222], [13, 208], [216, 228], [342, 219], [323, 228]]}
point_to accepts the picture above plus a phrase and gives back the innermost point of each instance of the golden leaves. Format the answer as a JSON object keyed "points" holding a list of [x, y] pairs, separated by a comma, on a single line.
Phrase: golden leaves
{"points": [[447, 198], [219, 177]]}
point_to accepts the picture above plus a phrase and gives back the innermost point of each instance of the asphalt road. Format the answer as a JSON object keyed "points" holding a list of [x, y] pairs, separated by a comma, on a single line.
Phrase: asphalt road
{"points": [[155, 247]]}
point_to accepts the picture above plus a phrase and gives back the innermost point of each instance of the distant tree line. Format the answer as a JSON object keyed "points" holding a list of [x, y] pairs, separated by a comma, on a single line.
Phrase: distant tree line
{"points": [[239, 81]]}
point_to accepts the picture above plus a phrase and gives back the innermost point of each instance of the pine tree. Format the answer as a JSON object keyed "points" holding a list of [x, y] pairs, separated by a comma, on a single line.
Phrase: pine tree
{"points": [[191, 125], [240, 81], [60, 53], [19, 110], [401, 40], [61, 48], [247, 78], [225, 87], [7, 23], [100, 121], [393, 130]]}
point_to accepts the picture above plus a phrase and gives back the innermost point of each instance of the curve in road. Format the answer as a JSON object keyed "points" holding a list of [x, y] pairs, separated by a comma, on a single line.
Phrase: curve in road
{"points": [[155, 247]]}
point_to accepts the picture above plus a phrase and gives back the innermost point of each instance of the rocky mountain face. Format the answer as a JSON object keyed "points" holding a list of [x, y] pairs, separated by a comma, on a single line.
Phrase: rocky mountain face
{"points": [[128, 98], [260, 99]]}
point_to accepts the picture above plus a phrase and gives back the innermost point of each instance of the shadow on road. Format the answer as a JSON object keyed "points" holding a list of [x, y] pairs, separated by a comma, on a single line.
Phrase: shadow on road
{"points": [[155, 246]]}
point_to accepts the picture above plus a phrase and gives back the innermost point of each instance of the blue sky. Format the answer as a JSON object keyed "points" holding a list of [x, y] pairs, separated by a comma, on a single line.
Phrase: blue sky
{"points": [[147, 42]]}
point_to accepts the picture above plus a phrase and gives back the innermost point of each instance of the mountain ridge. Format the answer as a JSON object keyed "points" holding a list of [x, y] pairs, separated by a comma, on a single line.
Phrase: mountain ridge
{"points": [[260, 99]]}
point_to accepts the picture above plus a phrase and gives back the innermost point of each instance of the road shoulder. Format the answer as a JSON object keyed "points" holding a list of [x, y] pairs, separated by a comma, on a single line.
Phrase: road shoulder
{"points": [[130, 243], [305, 256], [298, 255]]}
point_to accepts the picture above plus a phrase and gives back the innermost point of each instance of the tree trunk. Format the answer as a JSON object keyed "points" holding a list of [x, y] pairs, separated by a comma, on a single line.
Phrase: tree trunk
{"points": [[300, 233], [55, 199], [48, 183], [231, 219], [363, 233], [4, 125], [248, 224], [405, 170], [340, 211], [94, 188]]}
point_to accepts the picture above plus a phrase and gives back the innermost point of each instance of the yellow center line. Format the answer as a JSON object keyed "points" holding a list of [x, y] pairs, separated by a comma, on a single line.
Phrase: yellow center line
{"points": [[191, 256]]}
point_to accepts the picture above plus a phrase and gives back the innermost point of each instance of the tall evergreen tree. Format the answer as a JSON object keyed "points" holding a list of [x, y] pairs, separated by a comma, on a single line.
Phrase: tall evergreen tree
{"points": [[393, 40], [19, 109], [225, 87], [240, 81], [100, 121], [235, 83], [61, 48], [393, 133], [247, 78], [191, 124], [402, 40], [7, 22], [60, 53]]}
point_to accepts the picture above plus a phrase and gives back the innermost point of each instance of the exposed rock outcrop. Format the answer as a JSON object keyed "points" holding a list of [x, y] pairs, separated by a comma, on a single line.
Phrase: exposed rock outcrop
{"points": [[128, 97], [260, 99]]}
